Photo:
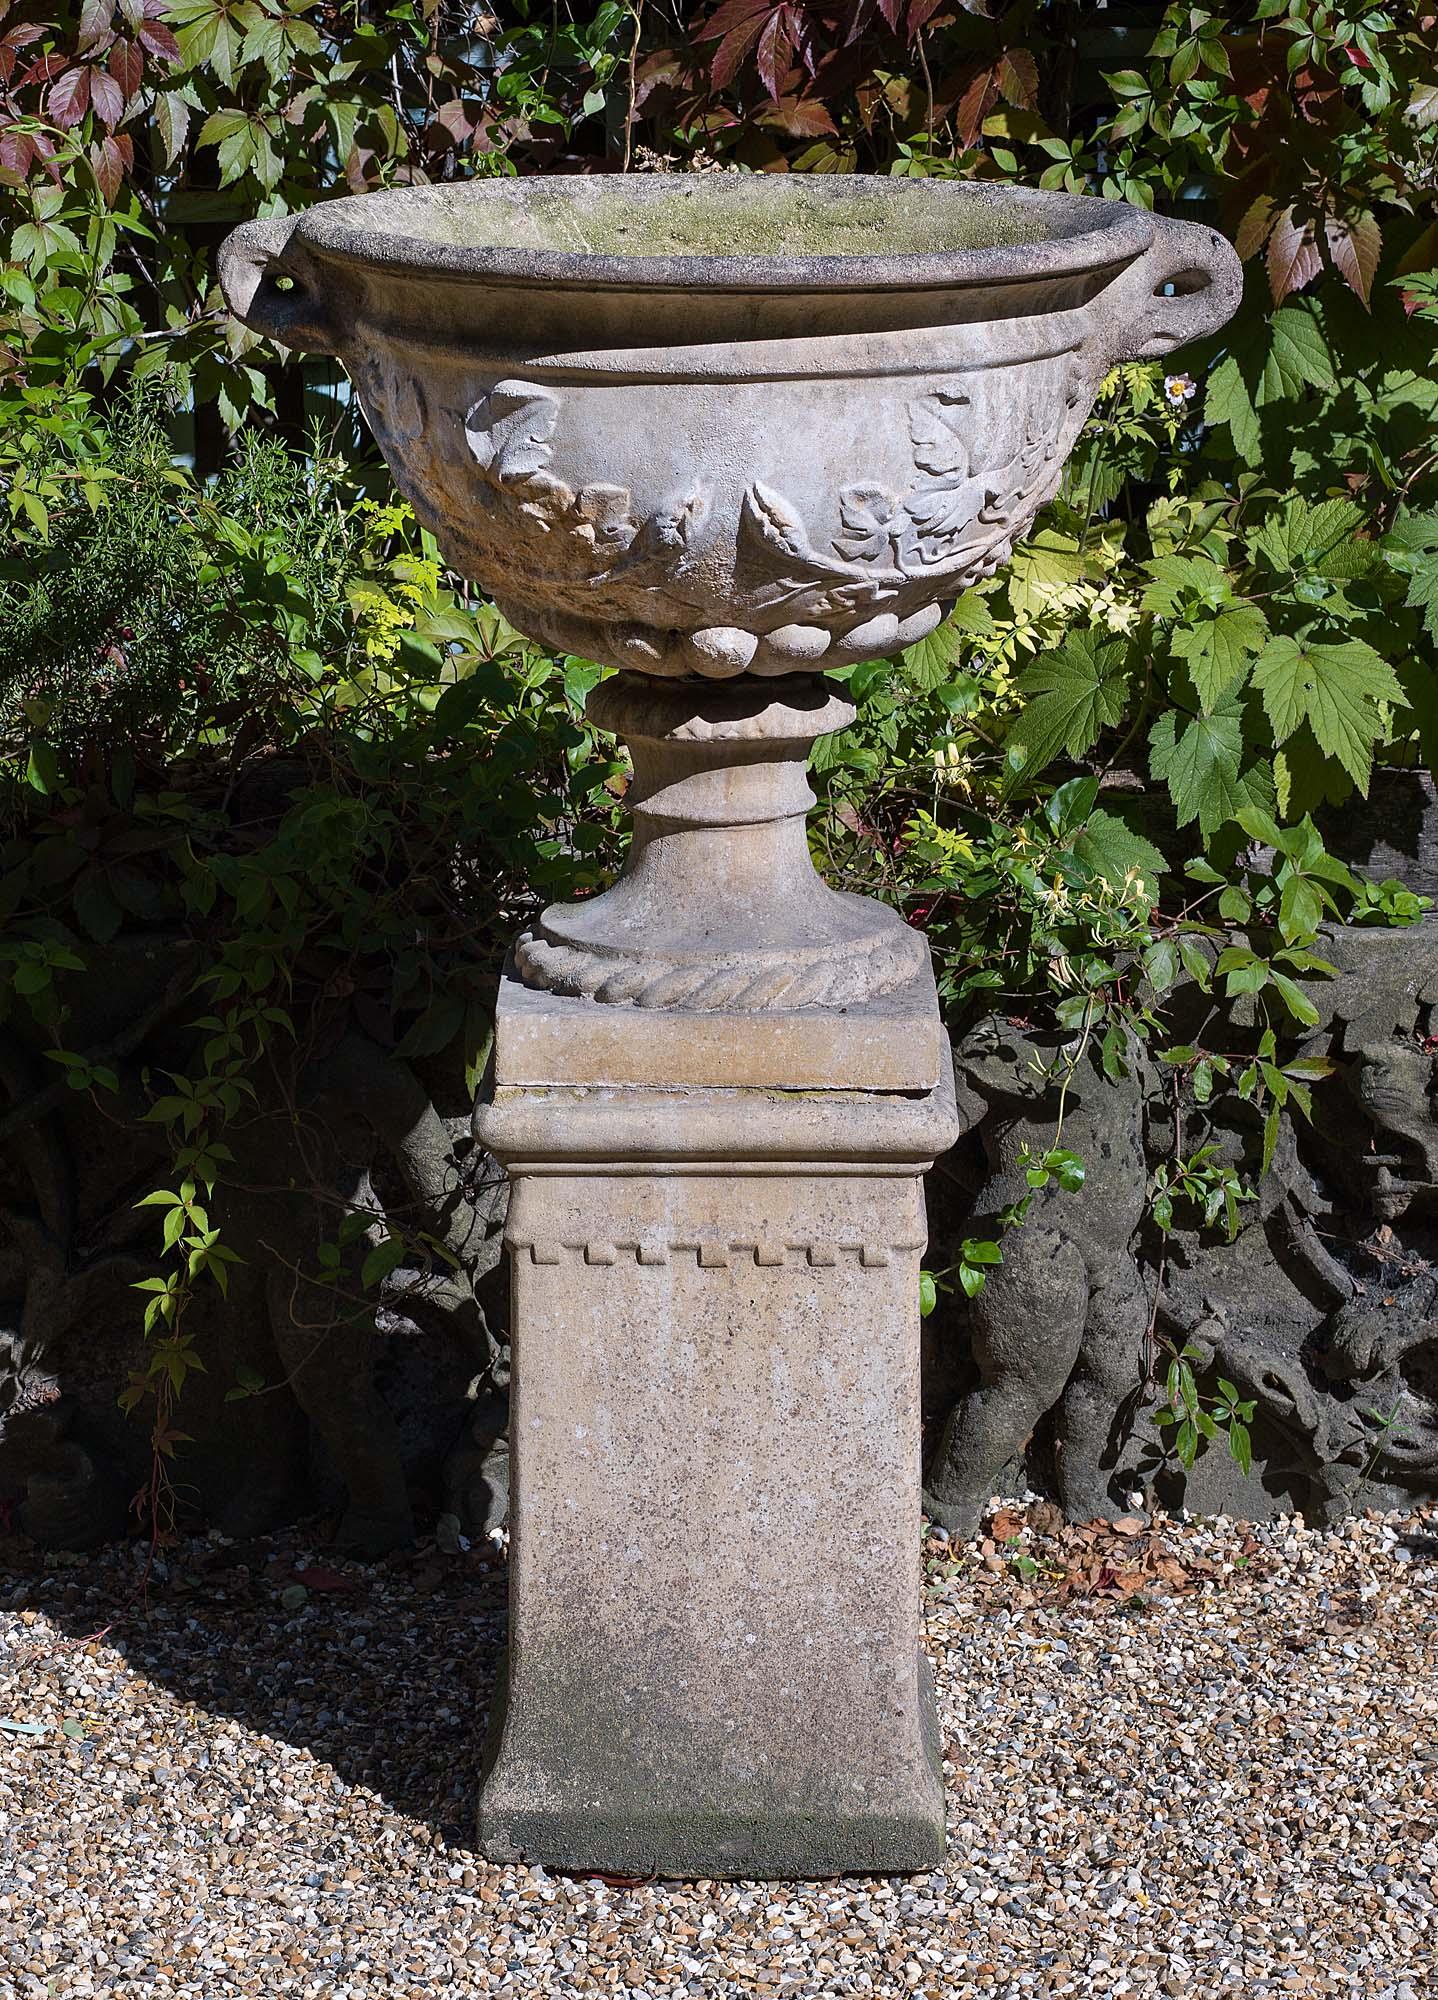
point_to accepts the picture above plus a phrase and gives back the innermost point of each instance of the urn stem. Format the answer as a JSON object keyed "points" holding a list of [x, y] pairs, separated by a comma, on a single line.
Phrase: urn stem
{"points": [[720, 905]]}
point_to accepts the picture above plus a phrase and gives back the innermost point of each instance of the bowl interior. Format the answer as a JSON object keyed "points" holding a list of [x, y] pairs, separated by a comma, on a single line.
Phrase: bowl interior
{"points": [[719, 215]]}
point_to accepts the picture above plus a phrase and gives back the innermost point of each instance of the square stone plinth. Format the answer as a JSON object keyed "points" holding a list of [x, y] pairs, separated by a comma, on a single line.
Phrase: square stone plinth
{"points": [[893, 1043], [714, 1664]]}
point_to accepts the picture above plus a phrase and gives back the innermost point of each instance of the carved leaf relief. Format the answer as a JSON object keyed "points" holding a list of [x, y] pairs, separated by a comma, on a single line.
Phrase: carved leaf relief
{"points": [[953, 523]]}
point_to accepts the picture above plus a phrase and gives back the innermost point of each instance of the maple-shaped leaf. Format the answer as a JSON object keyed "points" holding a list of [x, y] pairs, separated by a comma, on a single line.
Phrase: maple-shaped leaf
{"points": [[1042, 570], [1411, 547], [1202, 765], [1320, 538], [507, 430], [1070, 696], [931, 661], [1228, 400], [945, 512], [1218, 648], [1333, 686], [1191, 582], [1124, 859], [866, 513]]}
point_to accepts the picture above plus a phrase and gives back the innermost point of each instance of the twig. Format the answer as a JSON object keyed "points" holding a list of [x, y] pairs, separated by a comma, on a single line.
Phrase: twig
{"points": [[637, 9]]}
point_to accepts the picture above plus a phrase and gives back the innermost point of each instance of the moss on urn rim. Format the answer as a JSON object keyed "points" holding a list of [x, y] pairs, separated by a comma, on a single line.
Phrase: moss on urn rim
{"points": [[723, 231]]}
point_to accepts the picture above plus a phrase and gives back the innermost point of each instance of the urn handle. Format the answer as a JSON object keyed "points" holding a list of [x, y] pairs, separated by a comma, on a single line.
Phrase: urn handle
{"points": [[1185, 285], [271, 286]]}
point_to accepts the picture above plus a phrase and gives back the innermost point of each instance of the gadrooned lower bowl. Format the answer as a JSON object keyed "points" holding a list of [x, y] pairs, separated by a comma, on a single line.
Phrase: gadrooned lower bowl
{"points": [[717, 424]]}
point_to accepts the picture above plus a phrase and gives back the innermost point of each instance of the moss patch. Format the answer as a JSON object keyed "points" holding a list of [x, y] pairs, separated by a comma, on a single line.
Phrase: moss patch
{"points": [[717, 215]]}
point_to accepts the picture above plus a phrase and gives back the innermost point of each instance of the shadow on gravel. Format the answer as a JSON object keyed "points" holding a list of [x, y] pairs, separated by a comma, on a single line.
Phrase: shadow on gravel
{"points": [[383, 1670]]}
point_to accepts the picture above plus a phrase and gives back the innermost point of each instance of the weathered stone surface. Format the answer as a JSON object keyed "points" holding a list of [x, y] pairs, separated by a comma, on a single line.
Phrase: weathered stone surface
{"points": [[720, 908], [591, 394], [1059, 1328], [590, 390], [714, 1664], [1323, 1310]]}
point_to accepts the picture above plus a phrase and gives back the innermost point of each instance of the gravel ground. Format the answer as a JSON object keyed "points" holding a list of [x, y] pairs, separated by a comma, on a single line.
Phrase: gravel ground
{"points": [[1185, 1759]]}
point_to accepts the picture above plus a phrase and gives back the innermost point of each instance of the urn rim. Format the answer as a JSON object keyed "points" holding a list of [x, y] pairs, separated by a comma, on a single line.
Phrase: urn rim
{"points": [[1074, 234]]}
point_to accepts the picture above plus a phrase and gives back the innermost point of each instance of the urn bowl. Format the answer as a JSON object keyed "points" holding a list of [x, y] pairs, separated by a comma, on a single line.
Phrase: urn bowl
{"points": [[724, 424]]}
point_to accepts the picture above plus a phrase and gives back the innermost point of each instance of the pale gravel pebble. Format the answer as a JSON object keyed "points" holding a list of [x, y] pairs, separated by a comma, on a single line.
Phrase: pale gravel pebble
{"points": [[1222, 1791]]}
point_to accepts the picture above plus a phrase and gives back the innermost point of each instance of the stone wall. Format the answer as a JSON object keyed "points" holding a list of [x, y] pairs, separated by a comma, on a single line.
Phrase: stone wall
{"points": [[1324, 1310]]}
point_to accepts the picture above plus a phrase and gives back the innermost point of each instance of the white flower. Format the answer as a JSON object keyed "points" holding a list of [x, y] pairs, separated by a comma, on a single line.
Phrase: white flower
{"points": [[1179, 389]]}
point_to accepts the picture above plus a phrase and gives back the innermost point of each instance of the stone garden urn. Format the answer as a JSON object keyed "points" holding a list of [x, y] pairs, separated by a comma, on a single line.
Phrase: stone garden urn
{"points": [[722, 433]]}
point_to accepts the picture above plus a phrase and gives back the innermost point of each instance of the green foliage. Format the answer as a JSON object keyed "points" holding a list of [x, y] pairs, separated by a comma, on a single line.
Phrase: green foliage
{"points": [[1198, 1420], [305, 755], [1100, 785]]}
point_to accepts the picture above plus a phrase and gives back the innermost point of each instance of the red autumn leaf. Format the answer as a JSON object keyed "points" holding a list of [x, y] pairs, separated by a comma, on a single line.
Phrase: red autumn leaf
{"points": [[921, 13], [69, 98], [127, 66], [1312, 91], [1354, 242], [159, 40], [1252, 231], [804, 117], [17, 150], [106, 97], [456, 121], [50, 64], [108, 161], [21, 37], [775, 52], [1018, 78], [731, 14], [974, 106], [733, 49], [94, 23], [856, 17], [1293, 257]]}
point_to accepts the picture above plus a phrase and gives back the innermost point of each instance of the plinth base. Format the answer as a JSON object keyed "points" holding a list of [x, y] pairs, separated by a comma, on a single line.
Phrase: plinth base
{"points": [[783, 1838], [714, 1652]]}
